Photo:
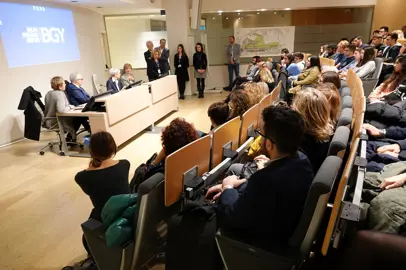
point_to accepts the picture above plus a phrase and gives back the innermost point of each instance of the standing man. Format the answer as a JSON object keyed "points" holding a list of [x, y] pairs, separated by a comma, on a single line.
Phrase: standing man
{"points": [[148, 55], [233, 57], [164, 52]]}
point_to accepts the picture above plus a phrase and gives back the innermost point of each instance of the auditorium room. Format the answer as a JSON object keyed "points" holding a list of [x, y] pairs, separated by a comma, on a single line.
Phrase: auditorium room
{"points": [[202, 135]]}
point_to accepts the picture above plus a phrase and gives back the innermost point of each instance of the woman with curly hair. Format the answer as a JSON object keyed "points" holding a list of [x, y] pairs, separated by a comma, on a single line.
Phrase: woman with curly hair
{"points": [[239, 103], [176, 135], [254, 91], [334, 99], [315, 110]]}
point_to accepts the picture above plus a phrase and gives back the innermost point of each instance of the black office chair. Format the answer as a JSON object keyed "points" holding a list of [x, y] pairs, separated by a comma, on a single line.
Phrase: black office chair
{"points": [[149, 232], [240, 256]]}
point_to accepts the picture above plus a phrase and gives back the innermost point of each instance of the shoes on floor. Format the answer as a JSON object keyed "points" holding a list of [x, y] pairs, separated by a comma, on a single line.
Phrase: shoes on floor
{"points": [[227, 88], [201, 95], [182, 97]]}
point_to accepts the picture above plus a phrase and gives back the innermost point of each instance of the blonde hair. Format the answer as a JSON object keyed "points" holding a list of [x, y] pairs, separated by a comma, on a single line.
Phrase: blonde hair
{"points": [[264, 87], [315, 110], [127, 65], [56, 82], [334, 99], [254, 92], [265, 75], [156, 51]]}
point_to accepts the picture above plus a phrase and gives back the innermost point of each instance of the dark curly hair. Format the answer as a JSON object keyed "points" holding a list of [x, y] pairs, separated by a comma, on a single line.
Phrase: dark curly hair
{"points": [[239, 103], [177, 134]]}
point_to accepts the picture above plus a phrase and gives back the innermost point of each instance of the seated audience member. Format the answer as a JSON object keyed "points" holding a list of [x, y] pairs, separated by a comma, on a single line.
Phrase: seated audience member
{"points": [[403, 48], [349, 61], [391, 52], [254, 91], [315, 110], [157, 67], [392, 132], [284, 52], [265, 88], [76, 94], [252, 71], [176, 135], [331, 51], [323, 50], [374, 33], [57, 102], [218, 113], [365, 66], [104, 177], [398, 78], [292, 68], [400, 34], [310, 75], [339, 57], [265, 211], [331, 77], [266, 76], [334, 99], [376, 43], [384, 31], [299, 60], [114, 84], [127, 78], [359, 42], [239, 102]]}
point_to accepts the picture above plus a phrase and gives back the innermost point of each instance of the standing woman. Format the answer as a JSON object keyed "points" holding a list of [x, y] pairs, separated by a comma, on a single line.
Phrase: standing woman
{"points": [[200, 65], [156, 67], [181, 62]]}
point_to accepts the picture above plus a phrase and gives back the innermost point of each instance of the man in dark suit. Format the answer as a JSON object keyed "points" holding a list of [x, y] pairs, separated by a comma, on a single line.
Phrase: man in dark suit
{"points": [[76, 94], [114, 83], [164, 54], [149, 53], [265, 211], [391, 52]]}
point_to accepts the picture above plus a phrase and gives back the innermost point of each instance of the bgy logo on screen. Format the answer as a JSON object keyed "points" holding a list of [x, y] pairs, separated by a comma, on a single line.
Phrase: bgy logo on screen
{"points": [[44, 35]]}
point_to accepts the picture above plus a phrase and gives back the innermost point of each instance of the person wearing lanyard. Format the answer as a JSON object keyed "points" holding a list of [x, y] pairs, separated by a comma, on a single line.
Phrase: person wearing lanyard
{"points": [[156, 67], [181, 63]]}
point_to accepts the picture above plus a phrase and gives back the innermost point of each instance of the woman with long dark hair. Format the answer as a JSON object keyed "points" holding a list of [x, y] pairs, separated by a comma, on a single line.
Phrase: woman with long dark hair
{"points": [[181, 62], [310, 74], [397, 78], [200, 65]]}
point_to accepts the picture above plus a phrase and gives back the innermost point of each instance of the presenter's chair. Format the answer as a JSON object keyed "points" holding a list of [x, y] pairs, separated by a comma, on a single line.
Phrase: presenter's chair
{"points": [[240, 256], [97, 88]]}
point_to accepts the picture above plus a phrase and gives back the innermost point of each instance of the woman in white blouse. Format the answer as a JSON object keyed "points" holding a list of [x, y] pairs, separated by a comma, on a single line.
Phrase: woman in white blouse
{"points": [[366, 66]]}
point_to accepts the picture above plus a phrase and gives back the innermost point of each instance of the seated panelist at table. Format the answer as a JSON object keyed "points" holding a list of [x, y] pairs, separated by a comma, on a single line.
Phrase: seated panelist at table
{"points": [[76, 94], [127, 78], [114, 84], [156, 67]]}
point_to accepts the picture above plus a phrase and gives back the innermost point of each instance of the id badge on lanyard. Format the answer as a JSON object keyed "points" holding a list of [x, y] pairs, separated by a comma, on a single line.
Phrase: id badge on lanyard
{"points": [[179, 65], [159, 70]]}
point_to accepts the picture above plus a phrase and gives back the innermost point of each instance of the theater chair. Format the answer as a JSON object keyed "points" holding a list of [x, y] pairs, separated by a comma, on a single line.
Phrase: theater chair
{"points": [[346, 102], [345, 117], [240, 256], [149, 231], [339, 142], [345, 91]]}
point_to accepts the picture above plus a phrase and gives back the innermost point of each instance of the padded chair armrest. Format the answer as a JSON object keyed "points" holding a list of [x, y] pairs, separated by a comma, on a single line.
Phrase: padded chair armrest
{"points": [[149, 184], [345, 118], [339, 141], [346, 102], [94, 227]]}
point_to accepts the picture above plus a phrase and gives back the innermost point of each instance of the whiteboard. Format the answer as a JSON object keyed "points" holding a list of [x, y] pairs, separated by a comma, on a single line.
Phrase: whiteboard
{"points": [[265, 41]]}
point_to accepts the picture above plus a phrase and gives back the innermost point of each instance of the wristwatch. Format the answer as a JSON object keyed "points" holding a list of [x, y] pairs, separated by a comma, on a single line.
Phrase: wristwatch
{"points": [[226, 187], [382, 132]]}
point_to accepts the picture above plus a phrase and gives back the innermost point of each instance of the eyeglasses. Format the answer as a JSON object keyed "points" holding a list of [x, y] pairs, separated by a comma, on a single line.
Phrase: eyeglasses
{"points": [[258, 132]]}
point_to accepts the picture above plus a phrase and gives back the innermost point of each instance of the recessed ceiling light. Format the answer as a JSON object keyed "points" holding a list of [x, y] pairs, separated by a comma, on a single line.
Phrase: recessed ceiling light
{"points": [[238, 10], [274, 13], [226, 18], [220, 11], [287, 8], [262, 9], [214, 18], [238, 13], [257, 12]]}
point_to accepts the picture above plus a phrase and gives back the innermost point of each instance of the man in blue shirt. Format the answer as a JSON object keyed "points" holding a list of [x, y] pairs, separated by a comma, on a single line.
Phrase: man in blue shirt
{"points": [[340, 56], [349, 61], [76, 94], [265, 211]]}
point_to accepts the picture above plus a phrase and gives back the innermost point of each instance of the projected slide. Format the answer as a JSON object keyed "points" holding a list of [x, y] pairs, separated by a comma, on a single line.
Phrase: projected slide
{"points": [[34, 35]]}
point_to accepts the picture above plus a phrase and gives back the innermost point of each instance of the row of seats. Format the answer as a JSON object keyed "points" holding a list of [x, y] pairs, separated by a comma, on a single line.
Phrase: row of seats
{"points": [[160, 196], [186, 174]]}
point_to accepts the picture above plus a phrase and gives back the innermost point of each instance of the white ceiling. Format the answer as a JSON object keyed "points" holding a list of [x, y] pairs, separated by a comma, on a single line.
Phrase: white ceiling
{"points": [[115, 7]]}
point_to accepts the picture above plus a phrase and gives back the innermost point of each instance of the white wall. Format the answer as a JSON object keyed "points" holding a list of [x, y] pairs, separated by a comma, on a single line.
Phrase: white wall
{"points": [[127, 36], [215, 5], [88, 26]]}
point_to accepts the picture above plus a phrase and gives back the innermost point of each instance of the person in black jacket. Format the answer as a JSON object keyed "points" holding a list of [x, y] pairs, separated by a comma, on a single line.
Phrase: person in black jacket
{"points": [[156, 67], [181, 62], [200, 65], [149, 53], [265, 210]]}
